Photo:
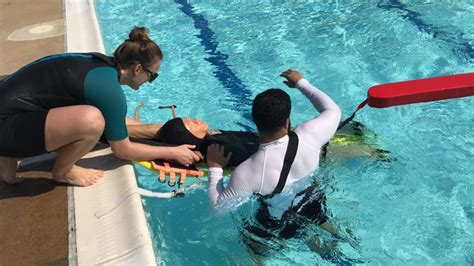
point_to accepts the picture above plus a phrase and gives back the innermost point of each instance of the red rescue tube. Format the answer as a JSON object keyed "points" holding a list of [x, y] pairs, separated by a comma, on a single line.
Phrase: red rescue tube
{"points": [[421, 90]]}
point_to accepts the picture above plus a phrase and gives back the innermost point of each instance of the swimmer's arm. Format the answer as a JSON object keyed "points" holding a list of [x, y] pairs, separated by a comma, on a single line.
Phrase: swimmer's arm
{"points": [[137, 111], [126, 150], [144, 131], [173, 111], [136, 119], [320, 129], [131, 121]]}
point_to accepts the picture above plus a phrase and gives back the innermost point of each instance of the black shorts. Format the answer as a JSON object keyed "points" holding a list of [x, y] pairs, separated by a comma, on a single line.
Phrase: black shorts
{"points": [[22, 135], [267, 233]]}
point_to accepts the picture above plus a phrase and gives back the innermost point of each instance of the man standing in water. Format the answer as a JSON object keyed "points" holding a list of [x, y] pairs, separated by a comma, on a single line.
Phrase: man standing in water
{"points": [[283, 159]]}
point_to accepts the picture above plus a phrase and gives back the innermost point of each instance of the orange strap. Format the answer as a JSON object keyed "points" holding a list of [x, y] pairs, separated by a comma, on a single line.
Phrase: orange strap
{"points": [[172, 180], [167, 166], [166, 169], [162, 176], [182, 179]]}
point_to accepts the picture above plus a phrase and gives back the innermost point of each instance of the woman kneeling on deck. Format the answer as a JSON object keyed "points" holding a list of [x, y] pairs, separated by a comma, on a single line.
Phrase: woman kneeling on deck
{"points": [[65, 102]]}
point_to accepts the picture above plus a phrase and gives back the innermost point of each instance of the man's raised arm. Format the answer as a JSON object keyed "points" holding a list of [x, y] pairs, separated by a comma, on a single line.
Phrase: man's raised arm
{"points": [[321, 128]]}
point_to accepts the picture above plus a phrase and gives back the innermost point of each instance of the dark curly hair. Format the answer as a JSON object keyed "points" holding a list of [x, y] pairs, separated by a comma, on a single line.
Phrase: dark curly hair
{"points": [[270, 110]]}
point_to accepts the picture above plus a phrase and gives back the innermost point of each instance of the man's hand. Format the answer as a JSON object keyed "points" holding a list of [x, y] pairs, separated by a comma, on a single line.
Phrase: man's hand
{"points": [[184, 154], [292, 77], [215, 156]]}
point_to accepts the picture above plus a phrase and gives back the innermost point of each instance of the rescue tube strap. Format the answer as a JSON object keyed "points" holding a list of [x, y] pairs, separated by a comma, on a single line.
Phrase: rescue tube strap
{"points": [[349, 119], [417, 91]]}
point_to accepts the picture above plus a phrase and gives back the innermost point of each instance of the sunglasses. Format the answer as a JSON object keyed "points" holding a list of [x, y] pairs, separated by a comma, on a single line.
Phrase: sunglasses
{"points": [[153, 76]]}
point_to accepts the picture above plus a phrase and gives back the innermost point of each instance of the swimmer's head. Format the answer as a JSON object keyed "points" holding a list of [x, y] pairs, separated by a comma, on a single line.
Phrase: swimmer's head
{"points": [[183, 131], [196, 127], [271, 110]]}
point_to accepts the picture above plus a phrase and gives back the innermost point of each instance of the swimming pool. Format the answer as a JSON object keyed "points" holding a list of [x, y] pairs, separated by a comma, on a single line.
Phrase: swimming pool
{"points": [[416, 209]]}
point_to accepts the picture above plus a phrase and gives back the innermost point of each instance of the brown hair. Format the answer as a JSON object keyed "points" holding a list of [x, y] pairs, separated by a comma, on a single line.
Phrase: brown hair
{"points": [[137, 49]]}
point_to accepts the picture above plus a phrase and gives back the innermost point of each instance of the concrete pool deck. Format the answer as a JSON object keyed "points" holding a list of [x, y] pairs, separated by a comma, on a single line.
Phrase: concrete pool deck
{"points": [[41, 221], [34, 214]]}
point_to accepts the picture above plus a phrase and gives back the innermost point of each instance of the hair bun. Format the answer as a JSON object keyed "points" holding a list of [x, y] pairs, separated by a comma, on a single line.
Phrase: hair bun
{"points": [[138, 49], [139, 34]]}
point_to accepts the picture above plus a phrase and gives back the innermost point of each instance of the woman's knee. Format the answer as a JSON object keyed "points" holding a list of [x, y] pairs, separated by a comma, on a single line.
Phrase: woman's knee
{"points": [[93, 120]]}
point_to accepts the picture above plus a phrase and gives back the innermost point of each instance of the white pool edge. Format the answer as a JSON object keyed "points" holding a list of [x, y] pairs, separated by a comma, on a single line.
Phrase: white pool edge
{"points": [[81, 29], [107, 224]]}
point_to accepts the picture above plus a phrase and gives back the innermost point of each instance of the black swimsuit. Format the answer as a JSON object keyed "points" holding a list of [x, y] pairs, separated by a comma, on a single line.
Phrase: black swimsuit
{"points": [[58, 81]]}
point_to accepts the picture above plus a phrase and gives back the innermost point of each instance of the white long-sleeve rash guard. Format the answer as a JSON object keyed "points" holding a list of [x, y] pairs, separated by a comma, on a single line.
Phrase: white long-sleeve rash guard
{"points": [[261, 172]]}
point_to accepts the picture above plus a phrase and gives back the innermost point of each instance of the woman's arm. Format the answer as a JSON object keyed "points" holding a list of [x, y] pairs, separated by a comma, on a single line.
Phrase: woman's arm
{"points": [[126, 150]]}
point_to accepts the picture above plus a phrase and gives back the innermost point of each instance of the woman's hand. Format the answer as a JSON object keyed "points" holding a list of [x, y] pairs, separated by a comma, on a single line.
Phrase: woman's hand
{"points": [[292, 77], [215, 156], [184, 154]]}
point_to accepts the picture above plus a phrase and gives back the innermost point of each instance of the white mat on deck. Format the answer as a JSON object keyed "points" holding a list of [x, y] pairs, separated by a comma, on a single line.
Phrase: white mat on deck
{"points": [[106, 221], [110, 223]]}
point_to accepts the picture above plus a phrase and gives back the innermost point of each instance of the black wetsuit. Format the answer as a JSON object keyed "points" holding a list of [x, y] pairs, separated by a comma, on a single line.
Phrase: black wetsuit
{"points": [[265, 233], [55, 81], [242, 145]]}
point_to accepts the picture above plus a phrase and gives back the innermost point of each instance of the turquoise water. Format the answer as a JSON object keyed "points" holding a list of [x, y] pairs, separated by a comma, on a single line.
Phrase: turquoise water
{"points": [[417, 209]]}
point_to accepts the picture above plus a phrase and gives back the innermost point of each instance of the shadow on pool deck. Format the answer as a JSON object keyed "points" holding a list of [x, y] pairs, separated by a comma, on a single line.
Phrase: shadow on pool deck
{"points": [[33, 222], [33, 214]]}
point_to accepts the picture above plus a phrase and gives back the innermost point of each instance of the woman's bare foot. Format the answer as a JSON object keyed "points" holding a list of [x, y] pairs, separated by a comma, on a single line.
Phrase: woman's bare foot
{"points": [[79, 176], [8, 167]]}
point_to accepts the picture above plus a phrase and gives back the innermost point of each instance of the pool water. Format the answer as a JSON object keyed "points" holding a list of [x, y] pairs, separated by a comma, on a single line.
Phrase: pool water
{"points": [[416, 209]]}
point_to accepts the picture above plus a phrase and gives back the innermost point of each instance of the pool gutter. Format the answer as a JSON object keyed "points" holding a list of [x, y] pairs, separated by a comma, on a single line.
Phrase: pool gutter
{"points": [[107, 222]]}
